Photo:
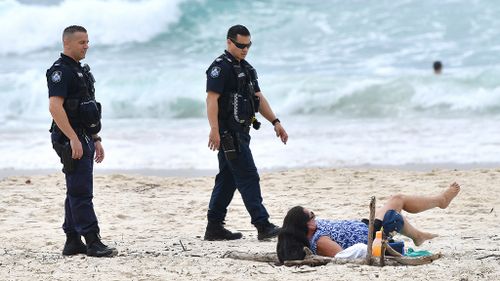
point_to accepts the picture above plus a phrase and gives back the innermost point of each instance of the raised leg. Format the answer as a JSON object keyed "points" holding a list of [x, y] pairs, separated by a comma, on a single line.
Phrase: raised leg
{"points": [[416, 235], [417, 204]]}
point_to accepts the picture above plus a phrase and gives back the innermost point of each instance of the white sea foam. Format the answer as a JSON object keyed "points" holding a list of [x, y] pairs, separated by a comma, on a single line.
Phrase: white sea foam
{"points": [[27, 28], [313, 142]]}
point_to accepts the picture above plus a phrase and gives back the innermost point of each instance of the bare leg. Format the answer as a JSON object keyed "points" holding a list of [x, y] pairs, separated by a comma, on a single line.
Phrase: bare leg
{"points": [[417, 204], [416, 235]]}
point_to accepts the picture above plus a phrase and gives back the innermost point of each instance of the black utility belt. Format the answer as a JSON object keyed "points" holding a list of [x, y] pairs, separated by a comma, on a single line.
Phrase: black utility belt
{"points": [[237, 128]]}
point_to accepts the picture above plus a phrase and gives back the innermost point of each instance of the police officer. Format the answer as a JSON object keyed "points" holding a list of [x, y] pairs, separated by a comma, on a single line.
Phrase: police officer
{"points": [[76, 122], [233, 98]]}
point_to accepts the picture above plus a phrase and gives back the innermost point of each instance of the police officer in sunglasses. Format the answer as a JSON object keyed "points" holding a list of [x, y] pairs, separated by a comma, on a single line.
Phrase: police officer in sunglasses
{"points": [[233, 99]]}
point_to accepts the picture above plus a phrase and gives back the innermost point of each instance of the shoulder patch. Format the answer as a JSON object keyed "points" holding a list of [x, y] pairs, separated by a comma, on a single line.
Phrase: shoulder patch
{"points": [[215, 72], [56, 76], [218, 59]]}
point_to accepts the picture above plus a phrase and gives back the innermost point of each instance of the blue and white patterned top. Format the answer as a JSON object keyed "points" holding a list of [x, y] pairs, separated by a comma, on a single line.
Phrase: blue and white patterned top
{"points": [[345, 232]]}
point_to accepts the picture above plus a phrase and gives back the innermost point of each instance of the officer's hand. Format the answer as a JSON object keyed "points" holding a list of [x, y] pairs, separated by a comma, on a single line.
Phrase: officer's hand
{"points": [[76, 148], [281, 133], [214, 139], [99, 152]]}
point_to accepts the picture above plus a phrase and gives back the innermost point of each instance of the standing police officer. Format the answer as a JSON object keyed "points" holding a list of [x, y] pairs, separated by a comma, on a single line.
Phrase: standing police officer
{"points": [[233, 98], [76, 122]]}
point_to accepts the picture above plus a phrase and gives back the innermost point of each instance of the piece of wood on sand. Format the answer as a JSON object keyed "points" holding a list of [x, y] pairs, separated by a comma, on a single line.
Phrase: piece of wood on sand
{"points": [[371, 227]]}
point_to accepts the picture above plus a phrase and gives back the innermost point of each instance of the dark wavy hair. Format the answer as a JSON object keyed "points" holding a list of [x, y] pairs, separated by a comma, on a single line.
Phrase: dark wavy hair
{"points": [[293, 235]]}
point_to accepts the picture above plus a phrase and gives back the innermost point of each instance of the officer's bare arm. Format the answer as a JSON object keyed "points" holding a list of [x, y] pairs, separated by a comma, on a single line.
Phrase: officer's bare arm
{"points": [[265, 108], [213, 114], [213, 109], [59, 115]]}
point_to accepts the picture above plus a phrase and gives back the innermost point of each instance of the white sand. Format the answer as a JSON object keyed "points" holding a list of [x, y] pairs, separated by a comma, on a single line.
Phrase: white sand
{"points": [[146, 217]]}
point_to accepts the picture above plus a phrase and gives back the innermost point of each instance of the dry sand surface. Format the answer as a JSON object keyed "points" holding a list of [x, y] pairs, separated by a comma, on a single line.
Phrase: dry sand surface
{"points": [[147, 217]]}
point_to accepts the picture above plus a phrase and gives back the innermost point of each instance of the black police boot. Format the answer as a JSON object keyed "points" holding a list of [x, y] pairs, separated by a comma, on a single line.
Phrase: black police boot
{"points": [[95, 248], [267, 230], [74, 245], [217, 231]]}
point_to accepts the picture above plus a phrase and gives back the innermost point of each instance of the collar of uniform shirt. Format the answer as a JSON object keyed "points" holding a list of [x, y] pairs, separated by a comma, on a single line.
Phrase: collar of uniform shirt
{"points": [[69, 60], [231, 56]]}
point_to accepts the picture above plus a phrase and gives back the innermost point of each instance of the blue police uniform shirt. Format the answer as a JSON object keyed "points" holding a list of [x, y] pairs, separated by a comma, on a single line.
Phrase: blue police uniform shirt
{"points": [[61, 79], [221, 77]]}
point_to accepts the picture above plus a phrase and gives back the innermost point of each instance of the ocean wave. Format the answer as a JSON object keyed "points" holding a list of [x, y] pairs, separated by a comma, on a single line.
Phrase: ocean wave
{"points": [[343, 59], [111, 22], [163, 97], [423, 96]]}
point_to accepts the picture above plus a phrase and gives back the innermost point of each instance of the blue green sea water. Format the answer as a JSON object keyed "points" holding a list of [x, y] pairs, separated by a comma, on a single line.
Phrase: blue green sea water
{"points": [[352, 81]]}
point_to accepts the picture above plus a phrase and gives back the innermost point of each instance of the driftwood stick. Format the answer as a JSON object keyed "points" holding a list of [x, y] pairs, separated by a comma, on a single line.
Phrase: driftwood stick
{"points": [[369, 259], [487, 256], [391, 251], [309, 253], [310, 260], [260, 257], [325, 261], [314, 260], [382, 253], [415, 261], [182, 245]]}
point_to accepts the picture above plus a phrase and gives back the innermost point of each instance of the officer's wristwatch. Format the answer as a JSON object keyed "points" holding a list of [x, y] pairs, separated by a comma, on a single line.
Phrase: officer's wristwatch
{"points": [[97, 139], [275, 121]]}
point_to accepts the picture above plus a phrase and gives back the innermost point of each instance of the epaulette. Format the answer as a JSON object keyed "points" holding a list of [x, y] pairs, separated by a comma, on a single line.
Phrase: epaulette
{"points": [[222, 57]]}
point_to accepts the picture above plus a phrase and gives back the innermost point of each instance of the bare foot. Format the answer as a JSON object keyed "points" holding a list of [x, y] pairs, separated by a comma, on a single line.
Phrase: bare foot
{"points": [[424, 237], [449, 194]]}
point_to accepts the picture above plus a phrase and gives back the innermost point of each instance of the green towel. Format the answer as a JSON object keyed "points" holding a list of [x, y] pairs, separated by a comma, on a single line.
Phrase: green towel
{"points": [[415, 254]]}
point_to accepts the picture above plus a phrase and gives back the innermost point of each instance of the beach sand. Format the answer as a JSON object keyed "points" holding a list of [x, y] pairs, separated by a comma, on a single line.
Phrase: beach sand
{"points": [[157, 224]]}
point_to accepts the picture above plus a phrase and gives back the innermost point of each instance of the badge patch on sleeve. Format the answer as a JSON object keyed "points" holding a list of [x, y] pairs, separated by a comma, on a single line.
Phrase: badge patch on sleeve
{"points": [[56, 76], [215, 72]]}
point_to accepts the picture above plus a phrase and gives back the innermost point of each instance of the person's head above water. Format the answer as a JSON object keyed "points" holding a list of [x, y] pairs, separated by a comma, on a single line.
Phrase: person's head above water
{"points": [[438, 67]]}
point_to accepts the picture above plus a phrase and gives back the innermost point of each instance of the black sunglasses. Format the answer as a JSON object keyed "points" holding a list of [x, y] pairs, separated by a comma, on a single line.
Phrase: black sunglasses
{"points": [[240, 45]]}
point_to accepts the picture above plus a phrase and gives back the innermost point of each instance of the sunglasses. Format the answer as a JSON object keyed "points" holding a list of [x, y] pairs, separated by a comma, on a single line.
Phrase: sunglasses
{"points": [[312, 215], [240, 45]]}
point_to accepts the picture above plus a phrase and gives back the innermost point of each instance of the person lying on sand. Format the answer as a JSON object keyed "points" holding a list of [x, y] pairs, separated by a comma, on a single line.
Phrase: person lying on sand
{"points": [[329, 237]]}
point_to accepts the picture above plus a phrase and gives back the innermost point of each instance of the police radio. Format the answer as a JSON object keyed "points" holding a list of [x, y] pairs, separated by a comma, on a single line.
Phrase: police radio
{"points": [[86, 68]]}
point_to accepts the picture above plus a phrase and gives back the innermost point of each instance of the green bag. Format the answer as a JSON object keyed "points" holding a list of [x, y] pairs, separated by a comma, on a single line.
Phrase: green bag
{"points": [[415, 254]]}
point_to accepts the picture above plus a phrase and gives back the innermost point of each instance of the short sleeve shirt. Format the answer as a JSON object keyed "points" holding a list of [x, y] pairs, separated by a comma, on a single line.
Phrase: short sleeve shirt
{"points": [[221, 78], [61, 79], [345, 232]]}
